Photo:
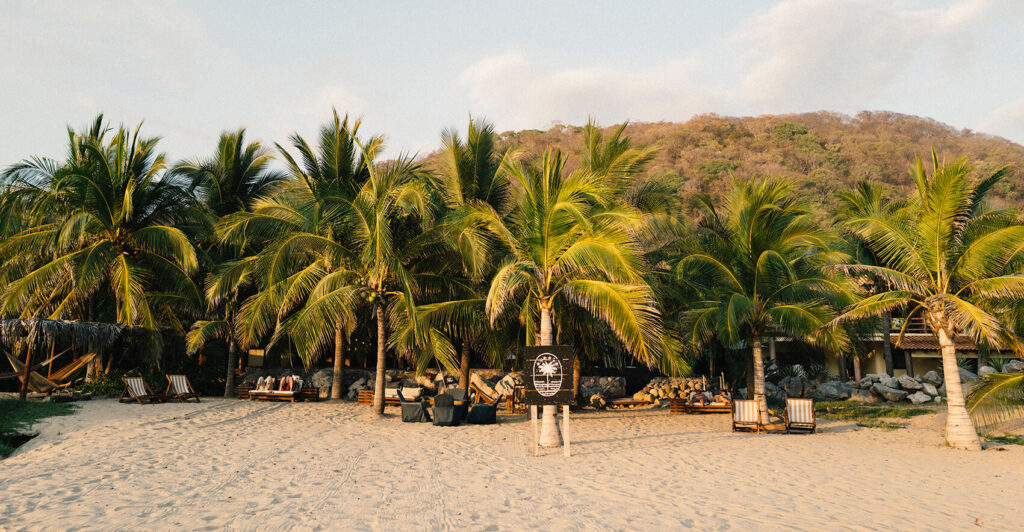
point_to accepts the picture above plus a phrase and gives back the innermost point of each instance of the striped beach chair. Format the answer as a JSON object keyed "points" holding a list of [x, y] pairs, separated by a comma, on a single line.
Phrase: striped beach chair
{"points": [[745, 416], [800, 416], [180, 389], [136, 389]]}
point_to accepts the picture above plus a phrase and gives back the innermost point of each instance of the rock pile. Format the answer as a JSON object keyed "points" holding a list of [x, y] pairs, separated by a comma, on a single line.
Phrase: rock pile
{"points": [[879, 387], [599, 391], [661, 389]]}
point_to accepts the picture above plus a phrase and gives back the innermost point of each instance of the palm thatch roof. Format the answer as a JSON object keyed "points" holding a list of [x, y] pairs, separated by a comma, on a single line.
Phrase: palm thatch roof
{"points": [[92, 336]]}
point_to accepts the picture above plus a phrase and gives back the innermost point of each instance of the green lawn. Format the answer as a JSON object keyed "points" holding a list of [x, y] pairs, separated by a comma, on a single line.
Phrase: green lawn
{"points": [[868, 415], [17, 416]]}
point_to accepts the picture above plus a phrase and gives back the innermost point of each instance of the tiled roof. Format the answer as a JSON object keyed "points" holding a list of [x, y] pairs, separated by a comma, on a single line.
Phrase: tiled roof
{"points": [[926, 342]]}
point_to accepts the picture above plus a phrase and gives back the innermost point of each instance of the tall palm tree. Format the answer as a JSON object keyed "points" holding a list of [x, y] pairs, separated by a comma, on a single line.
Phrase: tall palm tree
{"points": [[868, 198], [756, 270], [563, 253], [230, 181], [333, 243], [107, 229], [945, 258]]}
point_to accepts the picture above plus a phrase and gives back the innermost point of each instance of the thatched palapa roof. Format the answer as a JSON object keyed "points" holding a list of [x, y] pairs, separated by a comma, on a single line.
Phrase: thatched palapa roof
{"points": [[93, 336]]}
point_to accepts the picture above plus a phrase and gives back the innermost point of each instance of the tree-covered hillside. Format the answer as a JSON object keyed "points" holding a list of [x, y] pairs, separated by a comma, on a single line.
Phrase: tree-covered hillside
{"points": [[821, 153]]}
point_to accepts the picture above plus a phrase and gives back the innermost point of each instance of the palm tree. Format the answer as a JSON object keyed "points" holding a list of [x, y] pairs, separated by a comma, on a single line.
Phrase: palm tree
{"points": [[868, 198], [230, 181], [945, 258], [562, 254], [756, 270], [334, 242], [106, 228]]}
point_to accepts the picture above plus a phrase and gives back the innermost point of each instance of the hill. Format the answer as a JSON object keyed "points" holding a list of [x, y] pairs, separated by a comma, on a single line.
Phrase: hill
{"points": [[820, 152]]}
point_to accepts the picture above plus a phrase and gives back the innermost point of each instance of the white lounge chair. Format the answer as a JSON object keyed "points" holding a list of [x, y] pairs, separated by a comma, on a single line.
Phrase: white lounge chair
{"points": [[745, 416], [180, 389], [136, 389], [800, 416]]}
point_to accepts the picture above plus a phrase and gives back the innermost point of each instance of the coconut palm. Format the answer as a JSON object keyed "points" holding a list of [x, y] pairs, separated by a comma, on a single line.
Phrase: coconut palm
{"points": [[106, 228], [564, 253], [868, 198], [231, 180], [328, 250], [945, 258], [756, 270]]}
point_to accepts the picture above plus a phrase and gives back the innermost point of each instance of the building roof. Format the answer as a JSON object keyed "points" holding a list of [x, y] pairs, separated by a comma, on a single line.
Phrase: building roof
{"points": [[929, 342]]}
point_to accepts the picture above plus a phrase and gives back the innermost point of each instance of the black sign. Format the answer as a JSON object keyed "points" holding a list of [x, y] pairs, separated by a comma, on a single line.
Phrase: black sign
{"points": [[547, 372]]}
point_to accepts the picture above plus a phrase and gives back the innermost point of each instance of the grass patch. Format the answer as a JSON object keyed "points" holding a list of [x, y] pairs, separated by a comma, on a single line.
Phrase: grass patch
{"points": [[17, 416], [867, 415], [1005, 439]]}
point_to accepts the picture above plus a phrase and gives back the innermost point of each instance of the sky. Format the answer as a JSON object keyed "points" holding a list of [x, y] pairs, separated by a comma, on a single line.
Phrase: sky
{"points": [[191, 70]]}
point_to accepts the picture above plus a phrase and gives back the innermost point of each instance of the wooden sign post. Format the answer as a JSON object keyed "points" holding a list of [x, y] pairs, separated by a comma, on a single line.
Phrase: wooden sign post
{"points": [[548, 382]]}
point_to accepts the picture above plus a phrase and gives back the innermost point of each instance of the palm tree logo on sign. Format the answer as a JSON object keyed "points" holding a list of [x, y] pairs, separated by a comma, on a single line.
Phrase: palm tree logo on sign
{"points": [[547, 374]]}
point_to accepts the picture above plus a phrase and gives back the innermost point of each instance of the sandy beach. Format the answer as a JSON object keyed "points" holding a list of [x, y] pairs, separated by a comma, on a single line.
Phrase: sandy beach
{"points": [[228, 464]]}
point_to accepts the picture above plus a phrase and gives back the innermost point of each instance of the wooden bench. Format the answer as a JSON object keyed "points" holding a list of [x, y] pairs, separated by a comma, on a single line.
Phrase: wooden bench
{"points": [[366, 398], [681, 406], [308, 394]]}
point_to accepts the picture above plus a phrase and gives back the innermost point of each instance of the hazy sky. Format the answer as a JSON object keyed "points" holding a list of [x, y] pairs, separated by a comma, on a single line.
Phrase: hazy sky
{"points": [[192, 69]]}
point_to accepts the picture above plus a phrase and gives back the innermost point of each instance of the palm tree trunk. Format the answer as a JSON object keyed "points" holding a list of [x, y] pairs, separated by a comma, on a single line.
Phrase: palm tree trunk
{"points": [[577, 370], [378, 387], [762, 402], [339, 362], [887, 343], [229, 381], [841, 366], [464, 367], [960, 432], [856, 368], [550, 436]]}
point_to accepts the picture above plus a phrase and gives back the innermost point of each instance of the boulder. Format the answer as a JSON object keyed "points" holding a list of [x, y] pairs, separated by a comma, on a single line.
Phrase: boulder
{"points": [[598, 401], [770, 388], [742, 393], [942, 390], [919, 398], [930, 389], [908, 383], [888, 393], [866, 382], [1014, 366], [875, 377], [966, 376], [862, 396], [986, 370], [933, 377], [323, 379], [794, 386], [888, 381], [939, 400], [833, 391]]}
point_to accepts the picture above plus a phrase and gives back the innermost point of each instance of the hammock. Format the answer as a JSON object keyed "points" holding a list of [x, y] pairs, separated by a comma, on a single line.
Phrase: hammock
{"points": [[40, 384], [37, 366]]}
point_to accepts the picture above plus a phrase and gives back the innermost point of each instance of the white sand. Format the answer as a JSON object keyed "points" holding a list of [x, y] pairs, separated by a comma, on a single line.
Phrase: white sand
{"points": [[242, 465]]}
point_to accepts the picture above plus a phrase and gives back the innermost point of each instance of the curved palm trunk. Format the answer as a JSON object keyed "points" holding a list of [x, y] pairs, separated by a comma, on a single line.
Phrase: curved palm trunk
{"points": [[464, 367], [378, 387], [960, 431], [887, 342], [229, 381], [762, 401], [339, 362], [550, 436]]}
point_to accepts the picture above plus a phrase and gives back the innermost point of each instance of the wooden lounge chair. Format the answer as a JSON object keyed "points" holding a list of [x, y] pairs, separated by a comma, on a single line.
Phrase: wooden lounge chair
{"points": [[180, 389], [745, 416], [682, 406], [136, 389], [800, 416]]}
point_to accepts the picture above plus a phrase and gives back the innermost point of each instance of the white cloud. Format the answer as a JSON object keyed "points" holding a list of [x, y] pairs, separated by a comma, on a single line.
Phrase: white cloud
{"points": [[1006, 121], [822, 54], [515, 93]]}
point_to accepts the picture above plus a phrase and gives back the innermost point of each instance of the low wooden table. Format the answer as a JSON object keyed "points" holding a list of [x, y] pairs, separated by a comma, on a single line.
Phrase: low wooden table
{"points": [[681, 406], [308, 394]]}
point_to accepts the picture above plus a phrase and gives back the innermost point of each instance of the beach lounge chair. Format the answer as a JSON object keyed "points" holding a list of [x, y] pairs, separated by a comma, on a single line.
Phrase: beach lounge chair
{"points": [[745, 416], [445, 413], [136, 389], [180, 389], [414, 411], [800, 416]]}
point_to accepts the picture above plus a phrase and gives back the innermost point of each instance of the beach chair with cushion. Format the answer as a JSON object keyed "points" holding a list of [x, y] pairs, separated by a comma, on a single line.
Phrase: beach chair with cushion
{"points": [[800, 416], [136, 389], [485, 413], [745, 416], [445, 413], [461, 398], [180, 389], [413, 411]]}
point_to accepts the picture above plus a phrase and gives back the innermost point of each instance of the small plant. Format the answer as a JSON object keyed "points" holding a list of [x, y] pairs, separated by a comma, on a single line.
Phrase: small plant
{"points": [[867, 415], [878, 424], [111, 385]]}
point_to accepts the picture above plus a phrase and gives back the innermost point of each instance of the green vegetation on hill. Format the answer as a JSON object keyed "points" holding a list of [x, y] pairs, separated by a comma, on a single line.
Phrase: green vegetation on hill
{"points": [[820, 153]]}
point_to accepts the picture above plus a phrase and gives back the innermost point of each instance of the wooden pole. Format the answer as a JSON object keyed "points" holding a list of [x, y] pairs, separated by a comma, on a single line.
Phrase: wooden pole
{"points": [[533, 426], [565, 428], [49, 369], [28, 371]]}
